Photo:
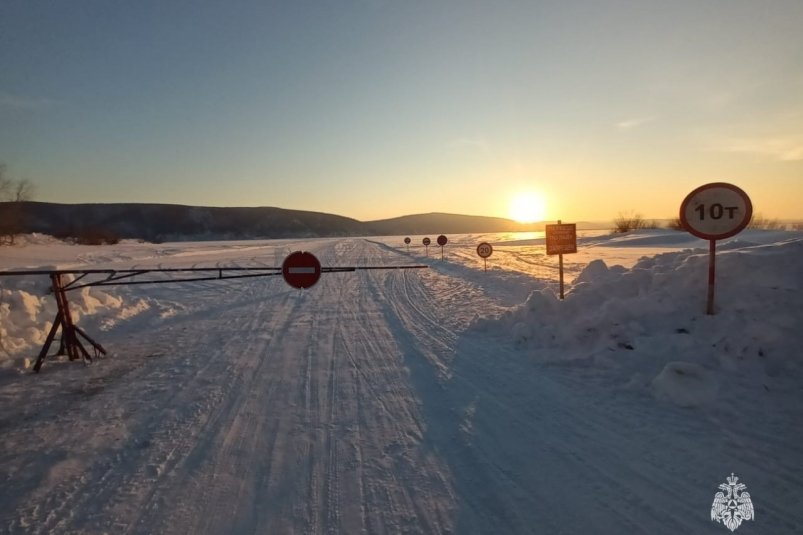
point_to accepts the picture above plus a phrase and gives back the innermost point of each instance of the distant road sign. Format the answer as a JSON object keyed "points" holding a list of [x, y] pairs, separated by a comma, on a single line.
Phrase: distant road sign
{"points": [[407, 241], [484, 250], [301, 269], [561, 238], [426, 241], [442, 240], [716, 211]]}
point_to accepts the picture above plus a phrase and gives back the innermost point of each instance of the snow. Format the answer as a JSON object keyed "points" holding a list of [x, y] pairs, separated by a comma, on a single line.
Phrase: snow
{"points": [[685, 384], [446, 400]]}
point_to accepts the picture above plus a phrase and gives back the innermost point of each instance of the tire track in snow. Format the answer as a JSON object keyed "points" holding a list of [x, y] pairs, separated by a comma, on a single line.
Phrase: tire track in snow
{"points": [[348, 449], [214, 461], [234, 429], [109, 489], [517, 447]]}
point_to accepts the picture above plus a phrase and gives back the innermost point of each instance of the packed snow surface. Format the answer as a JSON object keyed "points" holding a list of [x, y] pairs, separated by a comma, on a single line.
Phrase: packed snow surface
{"points": [[441, 400]]}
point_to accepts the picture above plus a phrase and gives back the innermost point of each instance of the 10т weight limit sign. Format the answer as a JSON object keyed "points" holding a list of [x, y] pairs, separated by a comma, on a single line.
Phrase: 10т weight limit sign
{"points": [[716, 211]]}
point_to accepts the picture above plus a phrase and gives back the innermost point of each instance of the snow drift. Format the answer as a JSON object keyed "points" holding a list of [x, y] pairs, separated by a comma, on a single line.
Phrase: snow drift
{"points": [[648, 322], [28, 307]]}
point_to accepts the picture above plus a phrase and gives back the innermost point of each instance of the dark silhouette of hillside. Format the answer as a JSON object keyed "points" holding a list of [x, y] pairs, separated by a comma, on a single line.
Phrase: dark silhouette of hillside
{"points": [[174, 222], [439, 223], [170, 222]]}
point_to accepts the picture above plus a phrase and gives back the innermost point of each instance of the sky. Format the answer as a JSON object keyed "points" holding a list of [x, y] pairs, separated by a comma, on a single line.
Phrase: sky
{"points": [[374, 109]]}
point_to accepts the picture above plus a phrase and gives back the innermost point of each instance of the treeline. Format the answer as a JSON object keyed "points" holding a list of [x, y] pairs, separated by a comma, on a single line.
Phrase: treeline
{"points": [[625, 222]]}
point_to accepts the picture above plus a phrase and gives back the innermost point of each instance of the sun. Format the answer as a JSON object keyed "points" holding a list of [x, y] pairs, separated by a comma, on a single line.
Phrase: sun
{"points": [[527, 207]]}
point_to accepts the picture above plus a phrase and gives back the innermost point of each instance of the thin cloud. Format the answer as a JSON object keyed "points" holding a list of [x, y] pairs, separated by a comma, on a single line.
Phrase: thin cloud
{"points": [[786, 149], [22, 102], [469, 143], [629, 124]]}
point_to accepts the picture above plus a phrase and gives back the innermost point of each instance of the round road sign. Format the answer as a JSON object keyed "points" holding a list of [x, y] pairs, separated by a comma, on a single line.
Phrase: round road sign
{"points": [[407, 241], [426, 241], [484, 250], [442, 240], [716, 211], [301, 269]]}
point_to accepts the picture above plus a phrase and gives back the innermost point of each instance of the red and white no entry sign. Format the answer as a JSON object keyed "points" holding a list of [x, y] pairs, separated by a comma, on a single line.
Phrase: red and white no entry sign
{"points": [[407, 240], [716, 211], [426, 241], [301, 269]]}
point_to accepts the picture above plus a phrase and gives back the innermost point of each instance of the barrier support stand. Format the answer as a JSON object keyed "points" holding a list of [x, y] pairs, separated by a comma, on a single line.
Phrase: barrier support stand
{"points": [[70, 344]]}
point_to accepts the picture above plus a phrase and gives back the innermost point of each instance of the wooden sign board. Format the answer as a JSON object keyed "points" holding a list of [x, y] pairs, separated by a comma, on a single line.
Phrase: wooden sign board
{"points": [[561, 239]]}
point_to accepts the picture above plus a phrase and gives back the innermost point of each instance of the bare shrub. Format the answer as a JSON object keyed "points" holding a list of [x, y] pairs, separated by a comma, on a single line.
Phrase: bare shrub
{"points": [[12, 194], [758, 221], [675, 224], [630, 221], [95, 236]]}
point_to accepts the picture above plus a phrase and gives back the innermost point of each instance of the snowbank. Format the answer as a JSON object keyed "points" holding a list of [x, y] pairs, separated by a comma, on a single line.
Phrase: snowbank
{"points": [[648, 322], [27, 310]]}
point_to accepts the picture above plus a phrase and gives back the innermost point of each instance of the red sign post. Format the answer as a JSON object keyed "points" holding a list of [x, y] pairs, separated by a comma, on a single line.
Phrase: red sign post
{"points": [[561, 239], [714, 212], [407, 243], [426, 242], [301, 269], [442, 240]]}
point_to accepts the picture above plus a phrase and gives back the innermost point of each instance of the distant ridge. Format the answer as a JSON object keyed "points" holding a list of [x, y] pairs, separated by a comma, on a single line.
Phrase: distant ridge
{"points": [[437, 222], [174, 222]]}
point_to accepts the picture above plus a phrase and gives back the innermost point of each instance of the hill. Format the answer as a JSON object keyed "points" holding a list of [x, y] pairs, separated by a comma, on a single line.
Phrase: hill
{"points": [[172, 222], [434, 223]]}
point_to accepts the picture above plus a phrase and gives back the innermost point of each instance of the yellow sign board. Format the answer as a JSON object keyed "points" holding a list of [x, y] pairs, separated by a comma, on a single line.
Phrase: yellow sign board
{"points": [[561, 238]]}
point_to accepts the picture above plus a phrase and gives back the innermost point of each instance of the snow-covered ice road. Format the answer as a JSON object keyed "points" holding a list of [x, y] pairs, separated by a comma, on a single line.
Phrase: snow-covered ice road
{"points": [[362, 405]]}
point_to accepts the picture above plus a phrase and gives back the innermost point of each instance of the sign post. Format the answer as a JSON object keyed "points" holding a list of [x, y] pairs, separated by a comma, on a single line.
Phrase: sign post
{"points": [[407, 243], [442, 240], [561, 239], [714, 212], [426, 242], [484, 250]]}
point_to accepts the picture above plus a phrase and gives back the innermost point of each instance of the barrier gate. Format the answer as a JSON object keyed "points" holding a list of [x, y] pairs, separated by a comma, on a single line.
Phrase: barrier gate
{"points": [[299, 269]]}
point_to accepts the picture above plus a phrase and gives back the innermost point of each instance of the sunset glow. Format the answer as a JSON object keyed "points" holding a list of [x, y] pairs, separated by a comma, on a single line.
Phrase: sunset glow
{"points": [[528, 207], [375, 110]]}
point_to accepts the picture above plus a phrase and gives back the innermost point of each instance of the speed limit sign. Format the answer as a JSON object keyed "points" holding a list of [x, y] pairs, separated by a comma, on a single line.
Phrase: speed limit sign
{"points": [[484, 250]]}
